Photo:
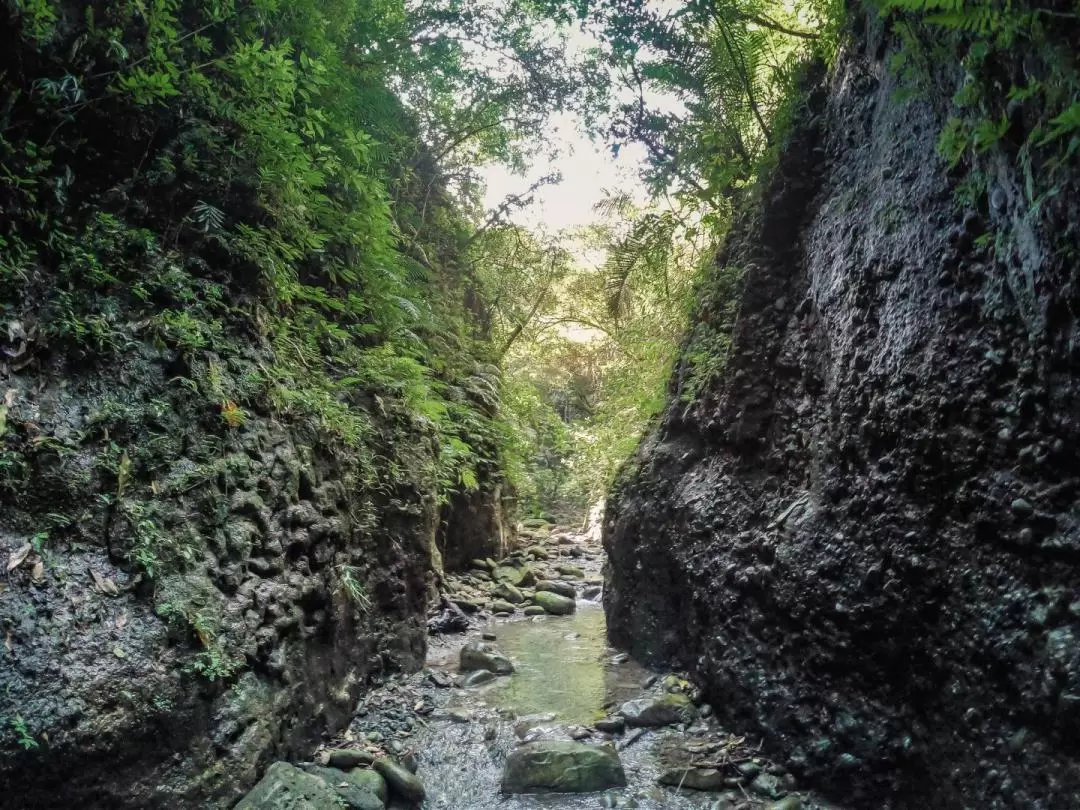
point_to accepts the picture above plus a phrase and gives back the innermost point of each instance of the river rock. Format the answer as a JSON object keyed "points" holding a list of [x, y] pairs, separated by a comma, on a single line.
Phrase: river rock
{"points": [[562, 588], [789, 803], [571, 571], [504, 590], [402, 783], [480, 655], [346, 758], [611, 725], [358, 789], [767, 785], [554, 603], [537, 552], [661, 711], [591, 593], [285, 787], [694, 778], [534, 610], [561, 766]]}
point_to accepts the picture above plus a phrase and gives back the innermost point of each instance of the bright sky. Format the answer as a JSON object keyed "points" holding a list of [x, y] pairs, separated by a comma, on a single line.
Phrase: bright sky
{"points": [[587, 170]]}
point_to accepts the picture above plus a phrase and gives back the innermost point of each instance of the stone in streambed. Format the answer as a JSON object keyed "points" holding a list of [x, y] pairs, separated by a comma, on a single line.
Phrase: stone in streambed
{"points": [[790, 803], [559, 766], [554, 603], [285, 787], [514, 575], [537, 552], [401, 782], [571, 571], [661, 711], [478, 655], [346, 758], [694, 778], [358, 789], [504, 590], [611, 725], [502, 606], [534, 610], [561, 588]]}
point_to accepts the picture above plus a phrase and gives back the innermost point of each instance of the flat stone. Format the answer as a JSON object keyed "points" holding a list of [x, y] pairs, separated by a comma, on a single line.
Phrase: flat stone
{"points": [[534, 610], [560, 766], [554, 603]]}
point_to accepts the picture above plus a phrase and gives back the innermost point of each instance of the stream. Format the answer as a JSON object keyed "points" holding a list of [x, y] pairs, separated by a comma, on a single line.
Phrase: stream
{"points": [[458, 735]]}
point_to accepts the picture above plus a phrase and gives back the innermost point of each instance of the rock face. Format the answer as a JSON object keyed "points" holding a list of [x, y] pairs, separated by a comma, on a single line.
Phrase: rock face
{"points": [[271, 607], [862, 536], [560, 766]]}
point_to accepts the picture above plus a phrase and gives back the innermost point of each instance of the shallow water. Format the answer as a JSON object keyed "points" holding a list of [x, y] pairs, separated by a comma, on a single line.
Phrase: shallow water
{"points": [[565, 675]]}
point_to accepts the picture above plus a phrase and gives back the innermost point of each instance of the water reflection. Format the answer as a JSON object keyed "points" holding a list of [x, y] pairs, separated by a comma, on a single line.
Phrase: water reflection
{"points": [[563, 668]]}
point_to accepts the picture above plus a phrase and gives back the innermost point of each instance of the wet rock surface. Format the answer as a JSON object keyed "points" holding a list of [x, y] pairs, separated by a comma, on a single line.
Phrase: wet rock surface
{"points": [[559, 766], [551, 728], [862, 537]]}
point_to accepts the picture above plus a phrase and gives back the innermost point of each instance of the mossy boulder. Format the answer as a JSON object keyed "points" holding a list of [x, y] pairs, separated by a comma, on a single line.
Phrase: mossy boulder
{"points": [[555, 603], [659, 711], [561, 766], [358, 789], [561, 588], [402, 782], [478, 655], [285, 787]]}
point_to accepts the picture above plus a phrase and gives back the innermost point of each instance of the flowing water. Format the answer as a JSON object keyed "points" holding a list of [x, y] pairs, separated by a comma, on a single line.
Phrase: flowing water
{"points": [[566, 675]]}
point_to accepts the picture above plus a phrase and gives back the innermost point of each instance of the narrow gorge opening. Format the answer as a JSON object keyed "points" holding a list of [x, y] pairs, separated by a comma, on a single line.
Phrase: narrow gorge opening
{"points": [[539, 403]]}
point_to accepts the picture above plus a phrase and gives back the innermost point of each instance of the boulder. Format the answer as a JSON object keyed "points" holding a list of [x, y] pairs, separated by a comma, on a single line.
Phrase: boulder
{"points": [[554, 603], [555, 586], [480, 655], [502, 606], [611, 725], [510, 574], [504, 590], [401, 781], [347, 758], [561, 766], [285, 787], [358, 789], [534, 610], [660, 711]]}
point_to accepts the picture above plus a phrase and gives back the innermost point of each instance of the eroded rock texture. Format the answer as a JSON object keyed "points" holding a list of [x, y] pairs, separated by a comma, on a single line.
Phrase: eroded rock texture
{"points": [[863, 535], [280, 588]]}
